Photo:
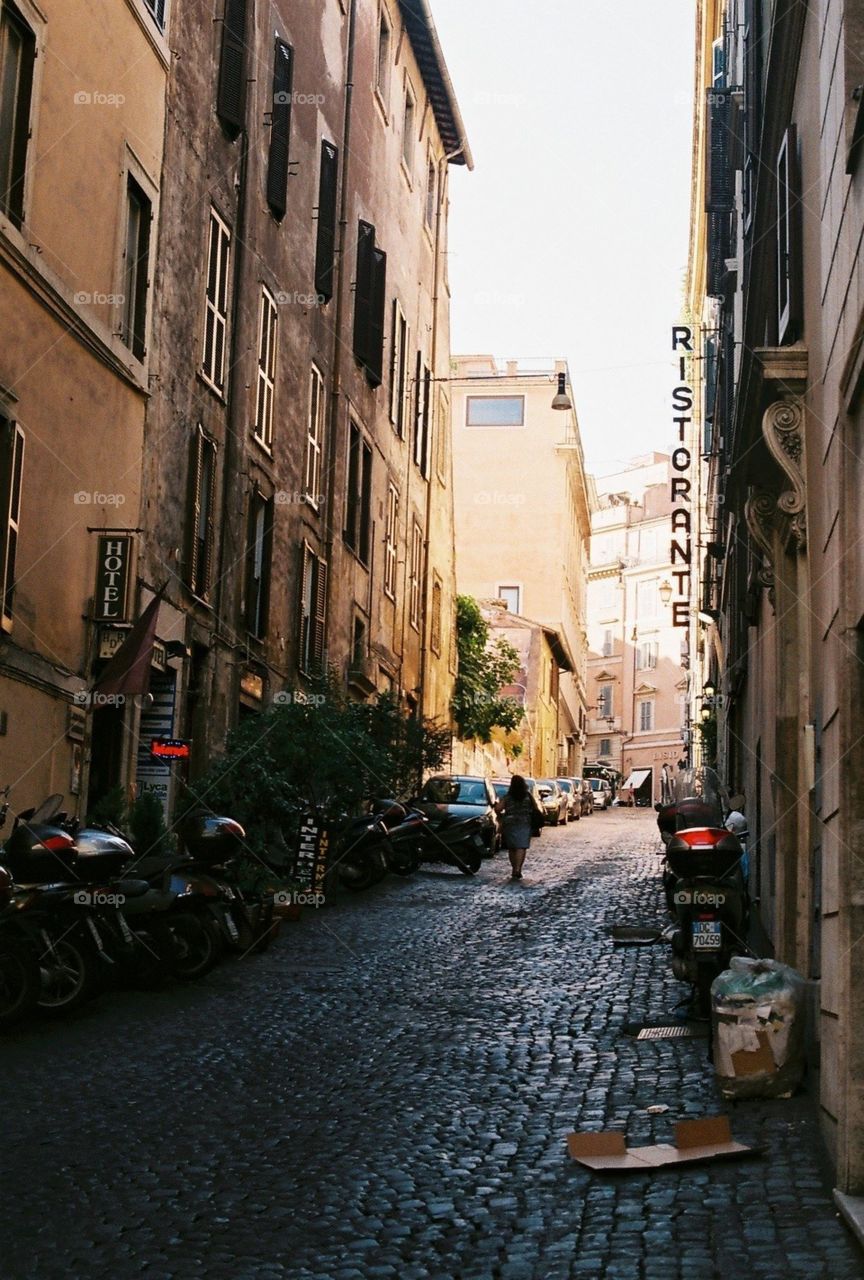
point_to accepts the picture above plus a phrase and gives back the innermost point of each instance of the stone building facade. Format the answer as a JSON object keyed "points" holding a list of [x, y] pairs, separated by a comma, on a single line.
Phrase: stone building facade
{"points": [[522, 513], [82, 124], [637, 658], [777, 286]]}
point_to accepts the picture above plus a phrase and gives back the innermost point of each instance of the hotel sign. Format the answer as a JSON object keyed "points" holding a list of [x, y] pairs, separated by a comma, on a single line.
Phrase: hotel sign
{"points": [[112, 578], [681, 483]]}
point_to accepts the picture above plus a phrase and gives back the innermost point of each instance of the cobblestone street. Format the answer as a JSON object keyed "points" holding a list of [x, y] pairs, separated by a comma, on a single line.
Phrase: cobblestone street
{"points": [[387, 1093]]}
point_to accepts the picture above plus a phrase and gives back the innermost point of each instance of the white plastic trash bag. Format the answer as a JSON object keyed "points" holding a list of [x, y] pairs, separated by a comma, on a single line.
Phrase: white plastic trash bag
{"points": [[758, 1010]]}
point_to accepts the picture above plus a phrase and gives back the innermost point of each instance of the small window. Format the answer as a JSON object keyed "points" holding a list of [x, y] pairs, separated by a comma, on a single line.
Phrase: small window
{"points": [[647, 599], [17, 57], [358, 497], [408, 139], [422, 414], [511, 597], [431, 192], [646, 715], [435, 620], [390, 536], [398, 369], [202, 498], [647, 655], [605, 747], [259, 549], [495, 411], [314, 439], [312, 612], [136, 268], [604, 700], [216, 303], [157, 8], [382, 66], [11, 476], [358, 643], [789, 268], [416, 576], [266, 383], [718, 64], [608, 645]]}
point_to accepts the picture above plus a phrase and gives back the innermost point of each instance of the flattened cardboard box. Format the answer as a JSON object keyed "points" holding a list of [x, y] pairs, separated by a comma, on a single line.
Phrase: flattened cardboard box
{"points": [[695, 1140]]}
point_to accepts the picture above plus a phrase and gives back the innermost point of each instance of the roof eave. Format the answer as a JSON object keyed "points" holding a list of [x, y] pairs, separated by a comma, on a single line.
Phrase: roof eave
{"points": [[419, 24]]}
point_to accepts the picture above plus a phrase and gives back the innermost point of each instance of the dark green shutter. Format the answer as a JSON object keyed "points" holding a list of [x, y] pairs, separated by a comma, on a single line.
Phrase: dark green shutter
{"points": [[375, 360], [363, 291], [280, 129], [720, 187], [231, 99], [325, 246]]}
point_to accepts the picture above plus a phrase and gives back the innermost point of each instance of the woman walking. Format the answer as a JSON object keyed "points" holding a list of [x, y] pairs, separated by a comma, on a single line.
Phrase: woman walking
{"points": [[517, 811]]}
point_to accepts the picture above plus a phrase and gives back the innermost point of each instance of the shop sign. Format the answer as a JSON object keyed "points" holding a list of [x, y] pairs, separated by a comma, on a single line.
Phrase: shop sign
{"points": [[252, 685], [310, 862], [112, 577], [169, 748], [681, 484]]}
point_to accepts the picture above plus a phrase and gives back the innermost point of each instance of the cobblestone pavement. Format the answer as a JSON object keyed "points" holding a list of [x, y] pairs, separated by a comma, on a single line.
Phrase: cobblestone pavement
{"points": [[387, 1093]]}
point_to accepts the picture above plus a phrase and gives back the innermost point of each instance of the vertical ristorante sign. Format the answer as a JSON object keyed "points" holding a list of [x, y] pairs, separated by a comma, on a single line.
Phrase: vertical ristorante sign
{"points": [[681, 483]]}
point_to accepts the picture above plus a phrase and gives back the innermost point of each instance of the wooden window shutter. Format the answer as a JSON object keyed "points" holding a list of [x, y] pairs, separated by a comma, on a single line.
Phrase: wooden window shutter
{"points": [[280, 130], [11, 479], [375, 362], [209, 530], [325, 245], [363, 291], [305, 611], [720, 184], [231, 98], [319, 620]]}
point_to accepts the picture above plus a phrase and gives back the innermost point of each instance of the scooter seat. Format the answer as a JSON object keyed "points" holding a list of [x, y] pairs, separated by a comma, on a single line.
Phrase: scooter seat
{"points": [[132, 888]]}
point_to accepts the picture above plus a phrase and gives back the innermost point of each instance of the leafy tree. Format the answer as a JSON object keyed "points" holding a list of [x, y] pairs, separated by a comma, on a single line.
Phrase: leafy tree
{"points": [[320, 752], [484, 668]]}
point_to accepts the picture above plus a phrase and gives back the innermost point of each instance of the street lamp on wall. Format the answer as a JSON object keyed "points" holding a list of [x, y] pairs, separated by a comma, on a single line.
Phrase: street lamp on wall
{"points": [[665, 592], [562, 400]]}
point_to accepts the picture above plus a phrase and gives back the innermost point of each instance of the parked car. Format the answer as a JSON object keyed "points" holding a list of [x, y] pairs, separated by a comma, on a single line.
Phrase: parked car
{"points": [[466, 795], [553, 800], [502, 786], [601, 792], [574, 798], [586, 796]]}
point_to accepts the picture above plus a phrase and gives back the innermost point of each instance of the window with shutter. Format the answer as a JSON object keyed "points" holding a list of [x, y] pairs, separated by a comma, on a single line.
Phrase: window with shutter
{"points": [[358, 494], [266, 384], [604, 700], [382, 68], [390, 536], [280, 130], [789, 257], [431, 192], [408, 141], [416, 576], [17, 57], [157, 8], [435, 619], [377, 313], [231, 96], [312, 612], [363, 291], [422, 415], [258, 548], [605, 747], [325, 241], [607, 644], [646, 715], [720, 185], [202, 498], [136, 268], [11, 477], [398, 368], [315, 439], [216, 302], [443, 435]]}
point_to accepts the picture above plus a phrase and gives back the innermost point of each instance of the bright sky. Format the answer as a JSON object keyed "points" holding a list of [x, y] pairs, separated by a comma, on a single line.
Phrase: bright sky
{"points": [[570, 236]]}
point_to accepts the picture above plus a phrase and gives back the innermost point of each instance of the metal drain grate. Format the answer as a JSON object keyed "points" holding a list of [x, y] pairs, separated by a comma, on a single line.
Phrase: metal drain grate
{"points": [[677, 1032]]}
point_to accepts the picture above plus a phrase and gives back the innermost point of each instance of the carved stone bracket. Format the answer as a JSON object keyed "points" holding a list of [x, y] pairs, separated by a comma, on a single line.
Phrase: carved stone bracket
{"points": [[759, 511], [783, 429]]}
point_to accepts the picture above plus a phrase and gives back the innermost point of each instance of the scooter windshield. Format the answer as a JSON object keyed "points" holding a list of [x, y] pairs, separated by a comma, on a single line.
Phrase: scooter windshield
{"points": [[699, 799]]}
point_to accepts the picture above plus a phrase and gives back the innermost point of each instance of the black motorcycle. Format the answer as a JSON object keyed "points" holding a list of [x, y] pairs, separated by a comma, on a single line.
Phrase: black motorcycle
{"points": [[425, 832]]}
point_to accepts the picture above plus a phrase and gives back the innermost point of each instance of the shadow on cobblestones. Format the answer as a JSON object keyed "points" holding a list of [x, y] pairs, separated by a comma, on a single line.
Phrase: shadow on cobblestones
{"points": [[387, 1094]]}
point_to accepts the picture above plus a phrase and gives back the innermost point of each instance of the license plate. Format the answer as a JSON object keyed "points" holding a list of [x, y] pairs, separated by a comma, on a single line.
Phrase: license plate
{"points": [[707, 935]]}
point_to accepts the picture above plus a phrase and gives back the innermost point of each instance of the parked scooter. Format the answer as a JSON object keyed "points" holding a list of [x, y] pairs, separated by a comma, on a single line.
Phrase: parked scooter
{"points": [[704, 882], [19, 966], [426, 832]]}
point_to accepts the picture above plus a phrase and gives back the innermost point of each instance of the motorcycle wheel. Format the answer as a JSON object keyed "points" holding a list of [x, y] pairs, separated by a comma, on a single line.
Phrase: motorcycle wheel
{"points": [[469, 863], [156, 952], [19, 981], [196, 948], [69, 975], [358, 877], [702, 992]]}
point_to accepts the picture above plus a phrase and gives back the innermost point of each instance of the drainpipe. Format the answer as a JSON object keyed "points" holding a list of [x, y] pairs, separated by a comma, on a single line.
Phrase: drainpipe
{"points": [[339, 266]]}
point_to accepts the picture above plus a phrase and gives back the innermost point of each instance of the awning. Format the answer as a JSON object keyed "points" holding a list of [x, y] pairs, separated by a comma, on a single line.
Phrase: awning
{"points": [[637, 777]]}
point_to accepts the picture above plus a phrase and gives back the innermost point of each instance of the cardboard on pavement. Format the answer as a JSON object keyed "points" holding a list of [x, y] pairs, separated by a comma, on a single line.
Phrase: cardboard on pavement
{"points": [[709, 1138]]}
